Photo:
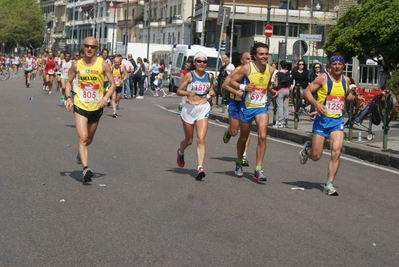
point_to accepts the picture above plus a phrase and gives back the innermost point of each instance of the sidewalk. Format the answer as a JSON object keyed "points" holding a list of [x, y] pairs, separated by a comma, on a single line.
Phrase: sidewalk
{"points": [[366, 150]]}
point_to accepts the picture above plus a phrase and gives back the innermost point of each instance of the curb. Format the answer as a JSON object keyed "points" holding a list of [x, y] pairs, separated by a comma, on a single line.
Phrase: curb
{"points": [[373, 155]]}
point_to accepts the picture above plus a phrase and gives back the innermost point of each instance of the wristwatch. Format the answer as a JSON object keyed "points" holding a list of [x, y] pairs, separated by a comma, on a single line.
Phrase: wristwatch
{"points": [[68, 96]]}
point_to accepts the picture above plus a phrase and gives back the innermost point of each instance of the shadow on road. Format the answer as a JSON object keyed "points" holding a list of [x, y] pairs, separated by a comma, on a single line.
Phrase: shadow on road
{"points": [[77, 175], [306, 185], [247, 175], [226, 159]]}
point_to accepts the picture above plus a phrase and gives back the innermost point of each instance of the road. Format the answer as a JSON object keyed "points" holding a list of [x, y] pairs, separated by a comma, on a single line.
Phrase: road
{"points": [[142, 210]]}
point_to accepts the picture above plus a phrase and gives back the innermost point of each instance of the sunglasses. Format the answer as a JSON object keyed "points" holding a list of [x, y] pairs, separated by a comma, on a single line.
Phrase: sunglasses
{"points": [[90, 46], [76, 55], [317, 67], [301, 64], [202, 61]]}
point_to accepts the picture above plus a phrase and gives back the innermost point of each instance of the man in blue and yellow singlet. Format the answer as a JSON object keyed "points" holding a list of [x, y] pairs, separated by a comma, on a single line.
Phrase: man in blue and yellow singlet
{"points": [[234, 109], [255, 105], [332, 91], [90, 98]]}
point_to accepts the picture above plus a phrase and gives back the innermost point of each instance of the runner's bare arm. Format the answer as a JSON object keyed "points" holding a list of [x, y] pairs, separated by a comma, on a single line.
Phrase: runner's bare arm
{"points": [[181, 91], [272, 86], [68, 87], [312, 88], [228, 88], [211, 88], [236, 77], [108, 74]]}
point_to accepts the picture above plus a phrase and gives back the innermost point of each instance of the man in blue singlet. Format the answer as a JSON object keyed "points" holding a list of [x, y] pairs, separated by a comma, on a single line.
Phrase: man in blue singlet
{"points": [[332, 91]]}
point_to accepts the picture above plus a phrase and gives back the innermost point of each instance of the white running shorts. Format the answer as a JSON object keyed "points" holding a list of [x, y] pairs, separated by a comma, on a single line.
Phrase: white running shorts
{"points": [[192, 113]]}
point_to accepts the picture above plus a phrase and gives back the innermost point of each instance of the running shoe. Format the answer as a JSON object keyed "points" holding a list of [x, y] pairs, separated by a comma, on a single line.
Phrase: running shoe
{"points": [[330, 190], [49, 92], [226, 136], [115, 115], [87, 175], [238, 172], [77, 159], [259, 176], [303, 154], [245, 161], [180, 159], [200, 174], [108, 104]]}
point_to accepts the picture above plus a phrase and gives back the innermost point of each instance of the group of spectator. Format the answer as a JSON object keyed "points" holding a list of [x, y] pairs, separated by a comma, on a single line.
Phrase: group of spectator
{"points": [[285, 80]]}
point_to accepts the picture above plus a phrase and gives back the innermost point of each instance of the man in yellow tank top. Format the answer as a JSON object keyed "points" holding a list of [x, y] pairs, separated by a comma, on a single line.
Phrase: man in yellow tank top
{"points": [[90, 98], [255, 105], [332, 92]]}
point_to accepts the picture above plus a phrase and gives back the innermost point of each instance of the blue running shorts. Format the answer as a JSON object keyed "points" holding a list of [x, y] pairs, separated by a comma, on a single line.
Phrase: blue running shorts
{"points": [[324, 126], [234, 109], [247, 115]]}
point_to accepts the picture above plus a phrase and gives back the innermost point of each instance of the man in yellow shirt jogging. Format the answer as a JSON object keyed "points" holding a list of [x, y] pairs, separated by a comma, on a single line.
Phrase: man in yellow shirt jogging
{"points": [[90, 98]]}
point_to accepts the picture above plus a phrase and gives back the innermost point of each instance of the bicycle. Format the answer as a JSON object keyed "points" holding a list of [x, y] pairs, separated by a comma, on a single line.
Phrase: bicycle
{"points": [[4, 74]]}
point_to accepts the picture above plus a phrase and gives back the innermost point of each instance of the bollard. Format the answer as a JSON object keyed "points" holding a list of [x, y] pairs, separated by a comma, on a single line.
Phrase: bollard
{"points": [[297, 95], [386, 104]]}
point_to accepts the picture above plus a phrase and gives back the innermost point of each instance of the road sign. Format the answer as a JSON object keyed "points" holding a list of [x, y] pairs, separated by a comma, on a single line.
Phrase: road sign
{"points": [[224, 14], [310, 37], [299, 47], [268, 30]]}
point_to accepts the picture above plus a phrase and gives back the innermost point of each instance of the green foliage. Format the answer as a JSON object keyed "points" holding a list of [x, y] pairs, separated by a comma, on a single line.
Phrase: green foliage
{"points": [[393, 83], [21, 23], [367, 31]]}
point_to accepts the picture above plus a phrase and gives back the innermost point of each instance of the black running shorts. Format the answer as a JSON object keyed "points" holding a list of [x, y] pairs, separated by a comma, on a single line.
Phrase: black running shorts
{"points": [[92, 116]]}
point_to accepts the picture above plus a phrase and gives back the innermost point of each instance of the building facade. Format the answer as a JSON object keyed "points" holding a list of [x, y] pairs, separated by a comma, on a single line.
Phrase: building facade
{"points": [[115, 23]]}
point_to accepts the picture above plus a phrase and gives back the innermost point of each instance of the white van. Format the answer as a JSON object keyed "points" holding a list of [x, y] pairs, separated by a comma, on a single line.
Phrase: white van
{"points": [[180, 54]]}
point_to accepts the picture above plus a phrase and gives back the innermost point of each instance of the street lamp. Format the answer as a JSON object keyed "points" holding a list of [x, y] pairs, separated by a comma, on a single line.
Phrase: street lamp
{"points": [[149, 26], [318, 7], [113, 28], [204, 2]]}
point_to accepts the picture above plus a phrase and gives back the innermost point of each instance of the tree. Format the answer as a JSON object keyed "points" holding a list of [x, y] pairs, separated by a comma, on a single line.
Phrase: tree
{"points": [[21, 23], [368, 30]]}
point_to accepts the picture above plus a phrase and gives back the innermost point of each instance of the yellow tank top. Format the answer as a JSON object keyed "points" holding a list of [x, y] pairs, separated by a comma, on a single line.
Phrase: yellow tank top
{"points": [[257, 98], [335, 101], [90, 87], [233, 96], [117, 74]]}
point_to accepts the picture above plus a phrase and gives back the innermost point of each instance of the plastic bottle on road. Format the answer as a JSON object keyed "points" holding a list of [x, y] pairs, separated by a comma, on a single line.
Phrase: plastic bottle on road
{"points": [[359, 136]]}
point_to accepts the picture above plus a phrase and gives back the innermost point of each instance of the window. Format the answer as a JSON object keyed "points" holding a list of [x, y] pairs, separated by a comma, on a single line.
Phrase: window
{"points": [[294, 30]]}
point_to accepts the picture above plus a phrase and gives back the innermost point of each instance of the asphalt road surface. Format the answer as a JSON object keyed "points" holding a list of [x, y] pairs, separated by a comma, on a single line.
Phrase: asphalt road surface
{"points": [[143, 210]]}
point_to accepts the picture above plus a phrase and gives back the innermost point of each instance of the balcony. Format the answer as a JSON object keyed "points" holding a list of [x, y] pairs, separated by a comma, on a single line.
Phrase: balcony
{"points": [[125, 23], [140, 25], [161, 22], [60, 3], [154, 23], [244, 12], [177, 20]]}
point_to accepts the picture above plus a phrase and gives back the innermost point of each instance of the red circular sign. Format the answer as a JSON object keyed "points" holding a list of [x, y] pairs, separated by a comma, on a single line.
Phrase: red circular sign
{"points": [[268, 30]]}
